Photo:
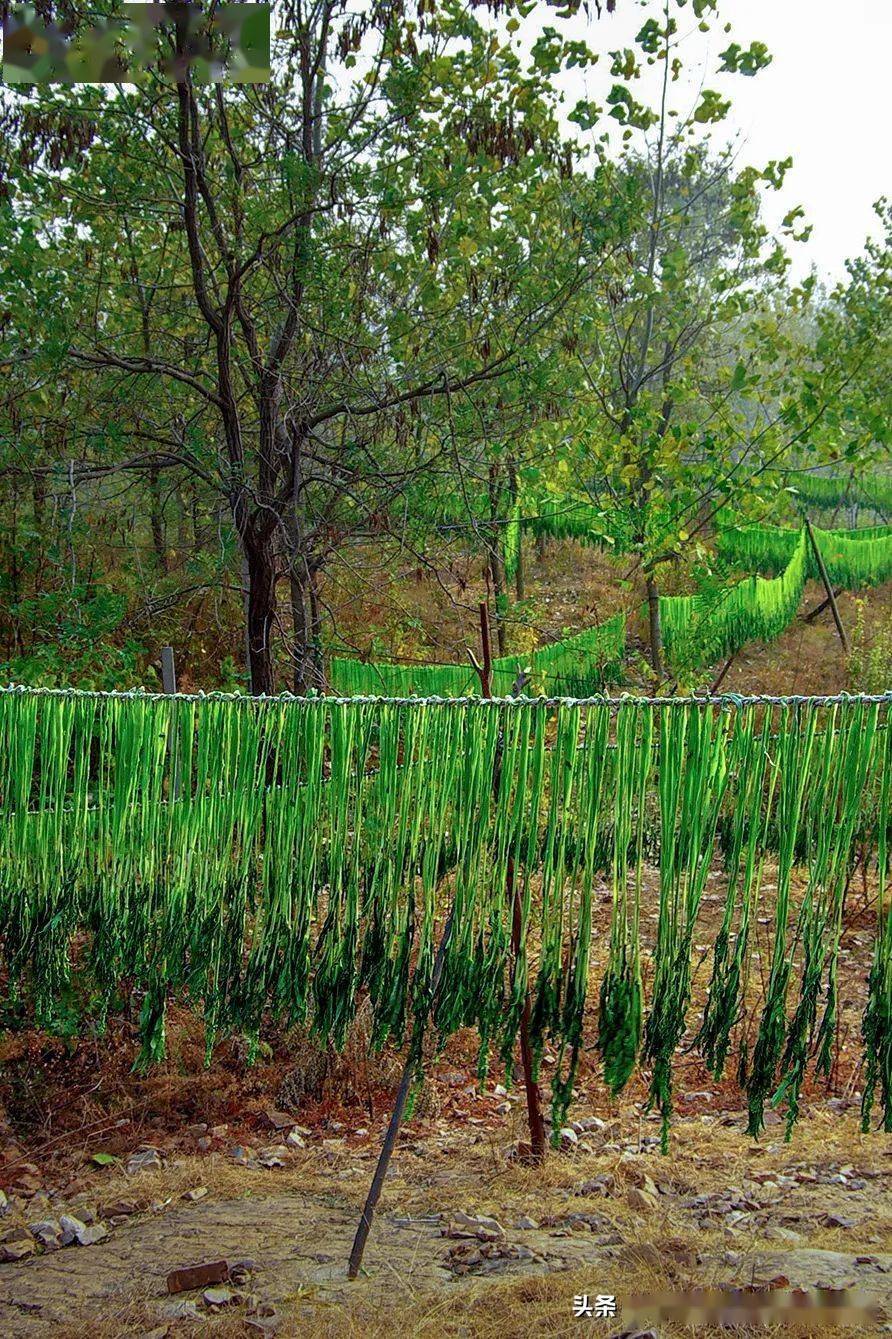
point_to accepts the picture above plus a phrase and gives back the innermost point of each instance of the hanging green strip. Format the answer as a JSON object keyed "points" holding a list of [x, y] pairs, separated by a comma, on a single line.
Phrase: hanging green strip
{"points": [[876, 1028], [577, 666], [699, 630], [619, 1029], [845, 753], [827, 490], [264, 859], [747, 826], [853, 558], [692, 780]]}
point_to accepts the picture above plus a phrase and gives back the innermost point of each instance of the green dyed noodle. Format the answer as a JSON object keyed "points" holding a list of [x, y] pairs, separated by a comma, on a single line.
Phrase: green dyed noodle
{"points": [[286, 859]]}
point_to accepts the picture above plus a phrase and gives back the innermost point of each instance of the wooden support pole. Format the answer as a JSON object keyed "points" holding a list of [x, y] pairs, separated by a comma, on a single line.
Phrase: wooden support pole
{"points": [[716, 685], [168, 670], [415, 1048], [169, 685], [486, 647], [655, 631], [827, 586], [818, 610]]}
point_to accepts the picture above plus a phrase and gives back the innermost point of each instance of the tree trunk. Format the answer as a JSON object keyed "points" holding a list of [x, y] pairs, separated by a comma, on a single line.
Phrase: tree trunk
{"points": [[261, 614], [519, 582], [157, 522], [246, 587], [316, 632], [497, 572], [656, 636], [302, 674], [496, 563], [306, 628]]}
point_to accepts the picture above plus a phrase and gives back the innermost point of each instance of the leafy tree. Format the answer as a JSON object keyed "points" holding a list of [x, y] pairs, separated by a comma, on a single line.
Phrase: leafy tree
{"points": [[275, 285]]}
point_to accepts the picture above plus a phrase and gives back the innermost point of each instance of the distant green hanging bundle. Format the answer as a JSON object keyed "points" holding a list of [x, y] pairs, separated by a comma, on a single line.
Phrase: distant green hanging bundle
{"points": [[698, 630], [576, 666]]}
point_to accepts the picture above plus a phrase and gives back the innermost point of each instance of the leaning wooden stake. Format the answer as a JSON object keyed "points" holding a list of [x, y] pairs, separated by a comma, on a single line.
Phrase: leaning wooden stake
{"points": [[818, 610], [717, 683], [534, 1100], [827, 586], [399, 1106]]}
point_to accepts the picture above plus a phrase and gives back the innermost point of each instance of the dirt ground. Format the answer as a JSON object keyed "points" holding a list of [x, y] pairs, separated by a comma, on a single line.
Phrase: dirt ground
{"points": [[609, 1215]]}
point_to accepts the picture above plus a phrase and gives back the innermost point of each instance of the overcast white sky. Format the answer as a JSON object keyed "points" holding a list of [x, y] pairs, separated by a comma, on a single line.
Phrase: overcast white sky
{"points": [[826, 100]]}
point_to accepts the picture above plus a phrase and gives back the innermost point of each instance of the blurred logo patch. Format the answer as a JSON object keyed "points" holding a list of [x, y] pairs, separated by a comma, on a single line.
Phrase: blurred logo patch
{"points": [[215, 43]]}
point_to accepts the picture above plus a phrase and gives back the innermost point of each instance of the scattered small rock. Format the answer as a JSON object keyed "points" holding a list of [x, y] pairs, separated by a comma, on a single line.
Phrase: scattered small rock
{"points": [[144, 1160], [17, 1245], [489, 1257], [275, 1155], [479, 1227], [241, 1154], [27, 1184], [196, 1193], [48, 1232], [118, 1209], [525, 1224], [262, 1324], [598, 1185], [240, 1272], [776, 1232], [197, 1276], [569, 1137], [263, 1319], [70, 1227], [75, 1229], [219, 1297], [642, 1200], [183, 1310]]}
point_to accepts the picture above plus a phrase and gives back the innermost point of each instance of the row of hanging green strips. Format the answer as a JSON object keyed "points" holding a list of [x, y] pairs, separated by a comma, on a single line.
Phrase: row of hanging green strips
{"points": [[853, 558], [576, 666], [827, 491], [556, 516], [699, 630], [287, 858]]}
